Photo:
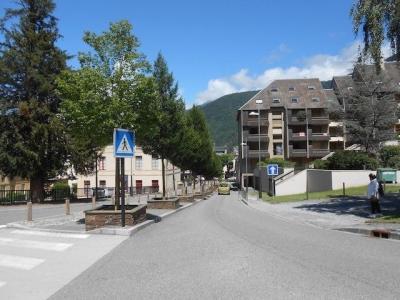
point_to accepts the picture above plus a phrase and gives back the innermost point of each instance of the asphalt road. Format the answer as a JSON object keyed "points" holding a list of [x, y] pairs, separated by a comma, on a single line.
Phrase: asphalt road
{"points": [[222, 249]]}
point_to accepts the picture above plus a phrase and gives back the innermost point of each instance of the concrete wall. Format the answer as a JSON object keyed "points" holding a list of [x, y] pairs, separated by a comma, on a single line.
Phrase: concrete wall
{"points": [[350, 178], [323, 180], [319, 180], [293, 185]]}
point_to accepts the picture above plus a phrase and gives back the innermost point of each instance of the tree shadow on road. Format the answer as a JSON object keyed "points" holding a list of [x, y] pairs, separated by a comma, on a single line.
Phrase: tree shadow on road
{"points": [[354, 205]]}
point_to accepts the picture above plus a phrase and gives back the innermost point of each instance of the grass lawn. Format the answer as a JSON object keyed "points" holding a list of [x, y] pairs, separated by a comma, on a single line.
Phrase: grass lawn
{"points": [[353, 191], [386, 219]]}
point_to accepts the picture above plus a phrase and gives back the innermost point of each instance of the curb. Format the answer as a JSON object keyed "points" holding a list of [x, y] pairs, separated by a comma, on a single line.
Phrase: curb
{"points": [[19, 226], [370, 232]]}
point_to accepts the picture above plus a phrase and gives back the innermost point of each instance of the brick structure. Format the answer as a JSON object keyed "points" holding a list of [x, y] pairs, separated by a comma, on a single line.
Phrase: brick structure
{"points": [[106, 215], [157, 203]]}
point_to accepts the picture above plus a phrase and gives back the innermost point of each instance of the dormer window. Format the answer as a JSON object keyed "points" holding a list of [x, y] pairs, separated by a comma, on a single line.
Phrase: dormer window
{"points": [[276, 100], [291, 88], [350, 88], [295, 100], [316, 99], [274, 89], [311, 87]]}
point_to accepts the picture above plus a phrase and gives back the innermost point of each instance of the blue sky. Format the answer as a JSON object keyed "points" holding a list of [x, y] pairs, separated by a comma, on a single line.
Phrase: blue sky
{"points": [[218, 47]]}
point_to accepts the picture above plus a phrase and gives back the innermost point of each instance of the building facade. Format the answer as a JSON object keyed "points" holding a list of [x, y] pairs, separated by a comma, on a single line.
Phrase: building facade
{"points": [[16, 183], [141, 172], [288, 119]]}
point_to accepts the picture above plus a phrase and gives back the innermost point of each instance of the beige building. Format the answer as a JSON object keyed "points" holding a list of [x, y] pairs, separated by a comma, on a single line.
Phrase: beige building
{"points": [[143, 172], [14, 184]]}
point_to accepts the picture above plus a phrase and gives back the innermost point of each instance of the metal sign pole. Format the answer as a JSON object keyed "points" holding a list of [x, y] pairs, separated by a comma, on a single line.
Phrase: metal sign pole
{"points": [[122, 179]]}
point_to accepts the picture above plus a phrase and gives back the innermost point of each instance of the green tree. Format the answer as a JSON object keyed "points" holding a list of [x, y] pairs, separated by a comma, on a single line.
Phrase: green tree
{"points": [[109, 91], [164, 138], [32, 139], [370, 114], [351, 160], [378, 20]]}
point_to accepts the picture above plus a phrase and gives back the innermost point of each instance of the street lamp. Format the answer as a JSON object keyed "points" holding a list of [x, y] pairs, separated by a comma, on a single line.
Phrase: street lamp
{"points": [[259, 103], [247, 176]]}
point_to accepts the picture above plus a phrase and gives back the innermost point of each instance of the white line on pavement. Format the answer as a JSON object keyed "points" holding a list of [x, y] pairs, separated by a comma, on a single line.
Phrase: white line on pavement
{"points": [[19, 262], [2, 283], [52, 234], [3, 226], [34, 244]]}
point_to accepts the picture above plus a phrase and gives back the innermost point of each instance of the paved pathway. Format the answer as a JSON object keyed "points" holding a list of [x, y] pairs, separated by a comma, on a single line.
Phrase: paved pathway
{"points": [[35, 264]]}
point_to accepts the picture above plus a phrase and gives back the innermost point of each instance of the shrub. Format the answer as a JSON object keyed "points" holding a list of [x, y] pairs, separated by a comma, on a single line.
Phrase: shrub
{"points": [[352, 160], [60, 190], [394, 162], [387, 154], [278, 161], [321, 164]]}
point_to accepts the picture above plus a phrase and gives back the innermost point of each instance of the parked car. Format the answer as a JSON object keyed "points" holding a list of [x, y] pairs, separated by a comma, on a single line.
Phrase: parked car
{"points": [[224, 188]]}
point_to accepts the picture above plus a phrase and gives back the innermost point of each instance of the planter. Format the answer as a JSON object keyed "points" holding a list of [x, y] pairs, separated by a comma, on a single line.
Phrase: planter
{"points": [[107, 215], [160, 203], [186, 198], [198, 196]]}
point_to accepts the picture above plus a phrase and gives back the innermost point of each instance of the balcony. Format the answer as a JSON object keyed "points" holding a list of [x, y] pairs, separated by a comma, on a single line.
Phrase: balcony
{"points": [[255, 137], [318, 136], [296, 121], [297, 152], [318, 152], [318, 119], [297, 136], [254, 154], [253, 121]]}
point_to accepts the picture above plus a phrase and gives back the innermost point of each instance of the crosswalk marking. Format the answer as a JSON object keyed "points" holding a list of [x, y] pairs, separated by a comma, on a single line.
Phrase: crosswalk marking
{"points": [[34, 244], [19, 262], [52, 234], [2, 283]]}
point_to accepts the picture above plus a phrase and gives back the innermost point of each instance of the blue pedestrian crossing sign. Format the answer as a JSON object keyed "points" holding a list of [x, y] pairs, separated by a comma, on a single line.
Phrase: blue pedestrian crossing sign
{"points": [[272, 170], [124, 143]]}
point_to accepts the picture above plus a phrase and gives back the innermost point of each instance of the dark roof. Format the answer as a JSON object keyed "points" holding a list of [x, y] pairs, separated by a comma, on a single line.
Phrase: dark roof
{"points": [[285, 90]]}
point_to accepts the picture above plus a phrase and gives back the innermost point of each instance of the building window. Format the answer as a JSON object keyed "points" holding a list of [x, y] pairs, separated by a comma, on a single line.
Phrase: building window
{"points": [[102, 183], [102, 161], [295, 100], [154, 163], [154, 185], [276, 100], [315, 99], [311, 87], [274, 89], [291, 88], [138, 162]]}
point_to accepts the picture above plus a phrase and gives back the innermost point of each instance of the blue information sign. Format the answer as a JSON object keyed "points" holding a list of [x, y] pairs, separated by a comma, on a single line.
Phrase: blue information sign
{"points": [[272, 170], [124, 143]]}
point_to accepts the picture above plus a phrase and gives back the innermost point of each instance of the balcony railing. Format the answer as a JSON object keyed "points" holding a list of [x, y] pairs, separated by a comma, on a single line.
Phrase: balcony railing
{"points": [[254, 153], [255, 137], [318, 136]]}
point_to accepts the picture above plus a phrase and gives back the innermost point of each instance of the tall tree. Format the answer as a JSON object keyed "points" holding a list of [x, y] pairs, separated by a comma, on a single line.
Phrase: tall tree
{"points": [[163, 140], [109, 91], [32, 139], [370, 114], [378, 20]]}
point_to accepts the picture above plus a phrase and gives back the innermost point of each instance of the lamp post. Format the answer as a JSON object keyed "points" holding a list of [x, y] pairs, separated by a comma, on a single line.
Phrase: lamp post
{"points": [[247, 177], [259, 103]]}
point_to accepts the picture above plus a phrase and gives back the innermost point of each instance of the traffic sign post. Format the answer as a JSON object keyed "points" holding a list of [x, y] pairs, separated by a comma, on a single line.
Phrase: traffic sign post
{"points": [[272, 170], [124, 146]]}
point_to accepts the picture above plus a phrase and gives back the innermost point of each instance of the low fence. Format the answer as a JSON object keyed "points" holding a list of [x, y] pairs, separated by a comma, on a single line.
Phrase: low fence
{"points": [[14, 196]]}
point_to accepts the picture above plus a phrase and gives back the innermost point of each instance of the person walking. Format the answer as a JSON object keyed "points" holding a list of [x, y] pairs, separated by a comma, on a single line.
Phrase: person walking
{"points": [[373, 195]]}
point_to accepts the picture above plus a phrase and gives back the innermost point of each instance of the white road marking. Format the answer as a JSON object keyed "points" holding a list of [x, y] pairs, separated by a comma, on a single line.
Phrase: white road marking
{"points": [[52, 234], [3, 226], [2, 283], [34, 244], [19, 262]]}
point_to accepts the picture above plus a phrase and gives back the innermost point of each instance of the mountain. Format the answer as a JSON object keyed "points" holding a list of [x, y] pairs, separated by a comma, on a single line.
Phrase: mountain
{"points": [[221, 117]]}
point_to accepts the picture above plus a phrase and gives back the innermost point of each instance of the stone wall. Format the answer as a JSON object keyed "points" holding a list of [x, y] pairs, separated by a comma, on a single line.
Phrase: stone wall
{"points": [[102, 217]]}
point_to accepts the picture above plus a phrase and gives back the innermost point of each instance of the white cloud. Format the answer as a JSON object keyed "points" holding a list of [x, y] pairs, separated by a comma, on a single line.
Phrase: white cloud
{"points": [[322, 66]]}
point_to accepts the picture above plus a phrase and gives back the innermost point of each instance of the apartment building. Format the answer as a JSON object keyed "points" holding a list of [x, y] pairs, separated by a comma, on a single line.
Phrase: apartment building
{"points": [[142, 171], [388, 80], [288, 119], [16, 183]]}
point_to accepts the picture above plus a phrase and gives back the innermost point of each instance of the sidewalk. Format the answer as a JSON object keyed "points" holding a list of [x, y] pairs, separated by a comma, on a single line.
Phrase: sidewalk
{"points": [[346, 214], [75, 222]]}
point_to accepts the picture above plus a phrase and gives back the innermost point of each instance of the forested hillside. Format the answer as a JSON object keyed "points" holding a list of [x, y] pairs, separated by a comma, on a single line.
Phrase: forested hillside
{"points": [[221, 117]]}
